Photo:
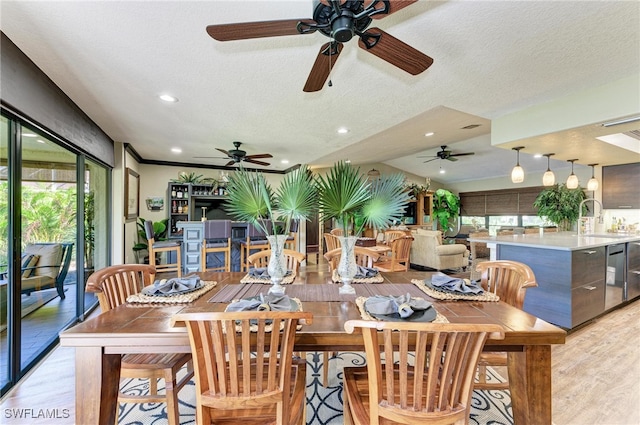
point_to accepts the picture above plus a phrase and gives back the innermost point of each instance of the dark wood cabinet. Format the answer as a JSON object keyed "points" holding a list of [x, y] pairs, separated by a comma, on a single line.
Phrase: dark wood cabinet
{"points": [[633, 270], [620, 186]]}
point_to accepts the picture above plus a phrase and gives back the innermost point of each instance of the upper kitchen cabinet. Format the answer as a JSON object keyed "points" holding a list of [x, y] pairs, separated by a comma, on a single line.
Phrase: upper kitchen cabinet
{"points": [[620, 186]]}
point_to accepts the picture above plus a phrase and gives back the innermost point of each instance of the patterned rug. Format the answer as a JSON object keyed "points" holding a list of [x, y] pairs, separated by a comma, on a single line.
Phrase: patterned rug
{"points": [[324, 405]]}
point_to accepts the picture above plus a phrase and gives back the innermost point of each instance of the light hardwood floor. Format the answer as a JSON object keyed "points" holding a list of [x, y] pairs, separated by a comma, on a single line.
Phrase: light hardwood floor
{"points": [[596, 378]]}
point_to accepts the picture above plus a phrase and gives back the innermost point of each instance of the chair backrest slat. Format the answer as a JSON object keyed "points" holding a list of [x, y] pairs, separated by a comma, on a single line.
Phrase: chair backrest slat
{"points": [[428, 368], [507, 279], [114, 284]]}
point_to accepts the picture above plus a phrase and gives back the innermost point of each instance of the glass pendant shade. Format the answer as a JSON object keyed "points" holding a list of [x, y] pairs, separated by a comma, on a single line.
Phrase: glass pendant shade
{"points": [[572, 181], [517, 174]]}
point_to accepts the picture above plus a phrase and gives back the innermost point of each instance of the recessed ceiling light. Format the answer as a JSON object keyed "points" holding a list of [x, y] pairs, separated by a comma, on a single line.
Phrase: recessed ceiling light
{"points": [[168, 98], [348, 161], [442, 171], [343, 130], [176, 150], [538, 155], [284, 161], [429, 134]]}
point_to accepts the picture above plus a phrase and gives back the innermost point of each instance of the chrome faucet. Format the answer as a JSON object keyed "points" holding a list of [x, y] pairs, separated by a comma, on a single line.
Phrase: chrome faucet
{"points": [[600, 217]]}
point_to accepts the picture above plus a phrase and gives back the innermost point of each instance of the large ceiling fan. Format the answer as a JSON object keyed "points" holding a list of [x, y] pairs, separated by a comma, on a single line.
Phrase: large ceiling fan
{"points": [[445, 154], [238, 155], [339, 20]]}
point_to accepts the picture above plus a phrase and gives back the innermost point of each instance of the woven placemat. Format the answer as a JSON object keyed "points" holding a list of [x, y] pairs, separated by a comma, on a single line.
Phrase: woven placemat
{"points": [[441, 295], [173, 299], [335, 278], [267, 281], [268, 327], [366, 316]]}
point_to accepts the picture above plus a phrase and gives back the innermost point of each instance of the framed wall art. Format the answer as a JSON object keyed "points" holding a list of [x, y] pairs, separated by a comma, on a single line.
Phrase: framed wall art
{"points": [[131, 194]]}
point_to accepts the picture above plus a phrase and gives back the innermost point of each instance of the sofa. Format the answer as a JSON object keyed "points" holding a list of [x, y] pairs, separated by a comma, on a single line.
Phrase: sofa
{"points": [[427, 250]]}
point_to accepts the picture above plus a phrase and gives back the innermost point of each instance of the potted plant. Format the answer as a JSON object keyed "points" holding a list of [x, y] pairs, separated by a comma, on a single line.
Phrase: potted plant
{"points": [[159, 234], [446, 208], [356, 203], [560, 205], [250, 198]]}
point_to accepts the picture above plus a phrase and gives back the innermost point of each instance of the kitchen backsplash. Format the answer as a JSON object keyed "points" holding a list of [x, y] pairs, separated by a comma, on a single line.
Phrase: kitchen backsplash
{"points": [[629, 219]]}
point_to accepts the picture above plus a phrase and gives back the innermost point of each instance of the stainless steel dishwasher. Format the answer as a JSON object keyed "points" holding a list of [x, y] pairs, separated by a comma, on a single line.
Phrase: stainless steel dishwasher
{"points": [[616, 276]]}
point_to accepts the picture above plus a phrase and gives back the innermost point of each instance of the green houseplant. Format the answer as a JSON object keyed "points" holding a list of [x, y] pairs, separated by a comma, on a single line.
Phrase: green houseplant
{"points": [[250, 198], [446, 208], [560, 205], [356, 203]]}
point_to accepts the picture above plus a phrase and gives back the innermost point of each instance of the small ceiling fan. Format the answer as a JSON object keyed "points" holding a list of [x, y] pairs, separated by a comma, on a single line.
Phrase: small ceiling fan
{"points": [[339, 20], [445, 154], [238, 155]]}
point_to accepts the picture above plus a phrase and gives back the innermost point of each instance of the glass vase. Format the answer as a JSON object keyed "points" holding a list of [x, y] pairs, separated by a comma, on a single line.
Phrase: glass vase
{"points": [[277, 267], [347, 268]]}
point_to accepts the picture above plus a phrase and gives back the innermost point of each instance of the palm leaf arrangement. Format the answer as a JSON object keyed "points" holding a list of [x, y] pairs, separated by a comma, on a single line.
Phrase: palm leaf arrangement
{"points": [[347, 196], [251, 199]]}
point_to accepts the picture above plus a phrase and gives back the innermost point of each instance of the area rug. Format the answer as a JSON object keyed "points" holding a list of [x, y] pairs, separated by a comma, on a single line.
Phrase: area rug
{"points": [[324, 404]]}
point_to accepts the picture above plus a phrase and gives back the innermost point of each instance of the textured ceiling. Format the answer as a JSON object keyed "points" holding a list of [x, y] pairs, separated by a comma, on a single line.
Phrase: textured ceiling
{"points": [[491, 58]]}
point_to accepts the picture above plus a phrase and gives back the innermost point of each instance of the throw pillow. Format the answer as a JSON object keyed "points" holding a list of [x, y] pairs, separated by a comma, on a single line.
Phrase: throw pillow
{"points": [[29, 261]]}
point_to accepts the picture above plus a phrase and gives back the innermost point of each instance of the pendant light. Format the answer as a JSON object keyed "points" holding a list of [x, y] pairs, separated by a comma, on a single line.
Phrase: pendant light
{"points": [[572, 181], [593, 184], [517, 174], [548, 179]]}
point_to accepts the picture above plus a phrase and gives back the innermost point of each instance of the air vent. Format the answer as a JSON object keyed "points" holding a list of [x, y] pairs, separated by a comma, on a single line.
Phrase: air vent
{"points": [[470, 126]]}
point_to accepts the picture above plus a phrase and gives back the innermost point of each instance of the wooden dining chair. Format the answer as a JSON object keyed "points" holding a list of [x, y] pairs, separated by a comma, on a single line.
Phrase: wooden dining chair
{"points": [[390, 235], [331, 241], [337, 231], [155, 247], [398, 261], [216, 239], [364, 257], [261, 259], [245, 372], [510, 281], [112, 286], [292, 239], [431, 380]]}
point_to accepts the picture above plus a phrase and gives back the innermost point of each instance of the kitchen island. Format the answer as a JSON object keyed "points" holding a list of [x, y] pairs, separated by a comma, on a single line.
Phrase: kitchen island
{"points": [[579, 277]]}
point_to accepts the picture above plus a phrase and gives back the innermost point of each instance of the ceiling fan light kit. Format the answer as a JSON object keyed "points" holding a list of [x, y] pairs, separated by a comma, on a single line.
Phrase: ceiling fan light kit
{"points": [[340, 20], [548, 179], [517, 174], [572, 180]]}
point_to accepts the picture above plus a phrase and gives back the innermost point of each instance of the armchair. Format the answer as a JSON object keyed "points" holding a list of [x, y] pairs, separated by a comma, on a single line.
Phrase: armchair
{"points": [[427, 250]]}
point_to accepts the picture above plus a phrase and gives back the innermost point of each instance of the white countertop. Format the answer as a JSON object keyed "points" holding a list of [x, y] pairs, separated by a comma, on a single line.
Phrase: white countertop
{"points": [[566, 241]]}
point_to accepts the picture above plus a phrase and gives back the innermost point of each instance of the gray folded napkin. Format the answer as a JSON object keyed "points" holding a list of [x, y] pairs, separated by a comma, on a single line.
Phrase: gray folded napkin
{"points": [[268, 302], [404, 305], [173, 286], [263, 273], [457, 285], [364, 272]]}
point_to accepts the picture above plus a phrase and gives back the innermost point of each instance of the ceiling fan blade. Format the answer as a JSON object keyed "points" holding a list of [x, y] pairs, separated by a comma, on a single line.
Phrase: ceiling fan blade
{"points": [[253, 161], [429, 160], [230, 163], [450, 158], [394, 51], [325, 60], [246, 30], [260, 155], [394, 6], [463, 154], [223, 151]]}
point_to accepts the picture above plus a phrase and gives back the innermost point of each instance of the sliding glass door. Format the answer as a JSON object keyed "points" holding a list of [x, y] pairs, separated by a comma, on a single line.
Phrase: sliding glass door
{"points": [[4, 250]]}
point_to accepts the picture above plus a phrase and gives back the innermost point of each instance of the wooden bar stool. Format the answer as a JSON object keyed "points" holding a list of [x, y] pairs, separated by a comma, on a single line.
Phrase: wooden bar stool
{"points": [[216, 239], [163, 246]]}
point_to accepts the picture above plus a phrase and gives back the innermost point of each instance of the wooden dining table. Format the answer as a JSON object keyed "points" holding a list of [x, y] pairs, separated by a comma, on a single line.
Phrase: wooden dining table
{"points": [[146, 328]]}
